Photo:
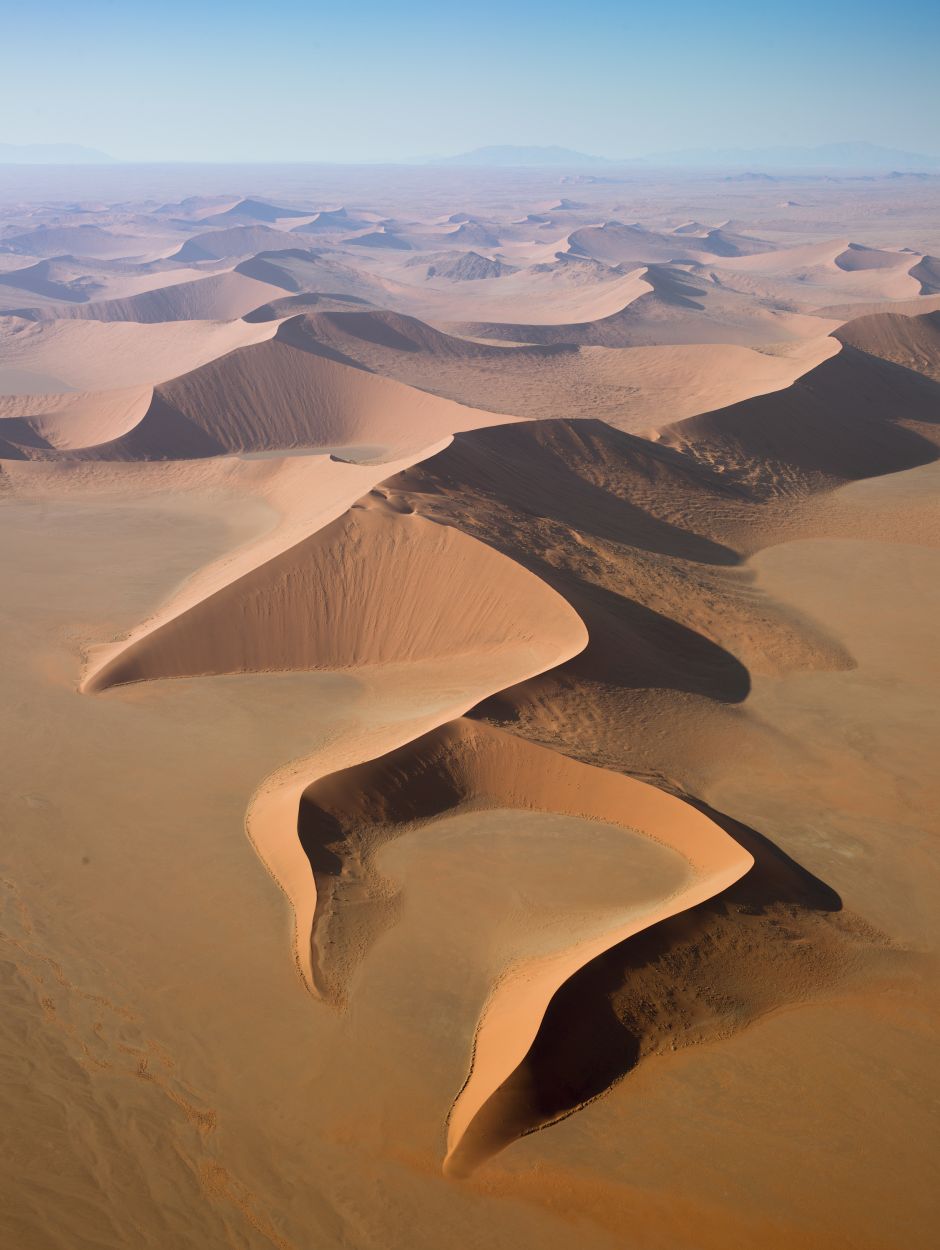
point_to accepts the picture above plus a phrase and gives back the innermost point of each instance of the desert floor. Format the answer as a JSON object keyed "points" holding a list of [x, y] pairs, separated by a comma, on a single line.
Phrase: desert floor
{"points": [[470, 725]]}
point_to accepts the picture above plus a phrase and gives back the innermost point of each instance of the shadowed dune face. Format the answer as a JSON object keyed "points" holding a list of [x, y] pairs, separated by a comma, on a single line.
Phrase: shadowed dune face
{"points": [[913, 342], [631, 388], [69, 421], [852, 417], [345, 818], [642, 541], [616, 243], [670, 305], [283, 396], [688, 980], [217, 297], [927, 273]]}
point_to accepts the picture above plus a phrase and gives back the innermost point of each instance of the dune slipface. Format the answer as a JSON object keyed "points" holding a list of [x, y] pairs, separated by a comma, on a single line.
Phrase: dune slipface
{"points": [[468, 766], [284, 394]]}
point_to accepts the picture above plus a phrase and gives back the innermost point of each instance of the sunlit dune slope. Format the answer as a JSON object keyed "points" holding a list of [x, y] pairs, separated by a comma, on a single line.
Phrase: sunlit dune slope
{"points": [[370, 588]]}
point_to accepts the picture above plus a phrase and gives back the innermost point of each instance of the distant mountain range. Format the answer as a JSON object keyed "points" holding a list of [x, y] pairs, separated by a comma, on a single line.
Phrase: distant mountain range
{"points": [[869, 157], [854, 157], [52, 154]]}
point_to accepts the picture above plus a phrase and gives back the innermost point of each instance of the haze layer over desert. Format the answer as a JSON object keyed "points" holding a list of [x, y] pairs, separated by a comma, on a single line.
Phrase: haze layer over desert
{"points": [[469, 742]]}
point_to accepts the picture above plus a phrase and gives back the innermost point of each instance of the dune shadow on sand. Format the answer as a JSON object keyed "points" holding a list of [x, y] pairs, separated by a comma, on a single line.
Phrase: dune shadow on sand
{"points": [[778, 935]]}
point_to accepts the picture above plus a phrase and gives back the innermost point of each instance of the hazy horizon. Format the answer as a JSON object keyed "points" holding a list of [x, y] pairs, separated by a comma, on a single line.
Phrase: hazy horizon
{"points": [[308, 84]]}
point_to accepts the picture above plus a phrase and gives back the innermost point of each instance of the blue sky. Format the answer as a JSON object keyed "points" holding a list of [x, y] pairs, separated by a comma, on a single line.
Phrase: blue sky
{"points": [[368, 81]]}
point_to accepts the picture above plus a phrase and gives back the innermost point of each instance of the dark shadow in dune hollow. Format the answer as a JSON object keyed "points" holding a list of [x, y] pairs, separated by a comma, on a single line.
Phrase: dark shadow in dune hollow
{"points": [[698, 976]]}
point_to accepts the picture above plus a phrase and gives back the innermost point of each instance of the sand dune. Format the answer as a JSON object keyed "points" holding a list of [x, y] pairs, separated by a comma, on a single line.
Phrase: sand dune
{"points": [[232, 243], [50, 279], [460, 766], [854, 416], [617, 244], [383, 239], [48, 357], [913, 342], [371, 588], [85, 240], [284, 394], [217, 297], [856, 256], [68, 421], [310, 272], [336, 221], [927, 273], [319, 605], [253, 210], [789, 260], [632, 388], [670, 306], [825, 272], [640, 539]]}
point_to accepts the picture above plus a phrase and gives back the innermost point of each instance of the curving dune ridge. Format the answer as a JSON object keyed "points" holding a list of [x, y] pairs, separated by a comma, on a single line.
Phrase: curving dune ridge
{"points": [[470, 766], [282, 395]]}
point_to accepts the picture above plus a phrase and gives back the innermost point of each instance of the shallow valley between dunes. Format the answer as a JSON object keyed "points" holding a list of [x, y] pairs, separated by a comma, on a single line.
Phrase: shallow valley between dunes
{"points": [[471, 682]]}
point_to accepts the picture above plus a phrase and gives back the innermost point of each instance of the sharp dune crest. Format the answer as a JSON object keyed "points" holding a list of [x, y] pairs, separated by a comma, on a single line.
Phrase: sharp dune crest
{"points": [[355, 593], [345, 817], [279, 395]]}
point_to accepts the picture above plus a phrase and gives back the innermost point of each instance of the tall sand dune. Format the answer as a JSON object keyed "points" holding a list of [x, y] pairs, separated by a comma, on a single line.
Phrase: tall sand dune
{"points": [[69, 421], [298, 271], [284, 394], [370, 588], [232, 243], [217, 297], [632, 388], [645, 544], [857, 256], [927, 273], [254, 210], [854, 416], [911, 341], [345, 817], [616, 243], [86, 240], [673, 306]]}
